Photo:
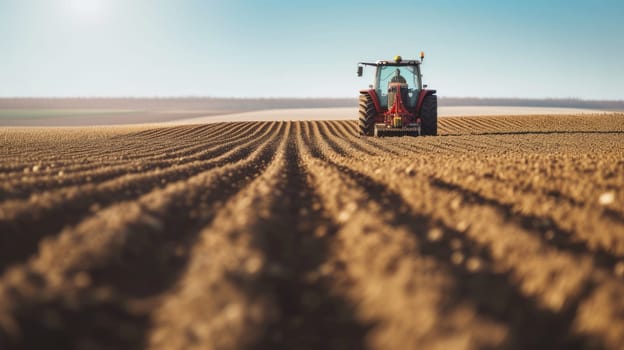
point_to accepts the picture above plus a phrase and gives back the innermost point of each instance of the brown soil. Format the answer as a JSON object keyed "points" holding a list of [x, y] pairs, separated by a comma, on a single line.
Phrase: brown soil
{"points": [[503, 232]]}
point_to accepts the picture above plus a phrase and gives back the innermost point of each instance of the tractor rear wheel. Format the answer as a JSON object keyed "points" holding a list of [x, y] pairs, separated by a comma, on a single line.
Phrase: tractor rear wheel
{"points": [[429, 115], [367, 114]]}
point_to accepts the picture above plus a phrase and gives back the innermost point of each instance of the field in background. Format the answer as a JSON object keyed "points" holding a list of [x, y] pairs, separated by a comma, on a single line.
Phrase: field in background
{"points": [[96, 117], [503, 232], [26, 113], [114, 111], [119, 111]]}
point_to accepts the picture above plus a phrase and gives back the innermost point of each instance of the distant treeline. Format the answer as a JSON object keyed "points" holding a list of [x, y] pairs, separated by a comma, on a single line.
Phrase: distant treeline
{"points": [[225, 104]]}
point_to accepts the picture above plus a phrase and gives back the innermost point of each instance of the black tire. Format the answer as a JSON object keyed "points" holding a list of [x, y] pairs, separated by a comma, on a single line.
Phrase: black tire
{"points": [[429, 116], [367, 114]]}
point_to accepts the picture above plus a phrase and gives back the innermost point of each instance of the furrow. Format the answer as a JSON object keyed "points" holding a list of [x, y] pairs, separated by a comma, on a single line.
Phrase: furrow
{"points": [[352, 127], [419, 146], [147, 132], [95, 156], [340, 143], [173, 144], [379, 145], [28, 186], [579, 180], [46, 214], [570, 283], [338, 129], [337, 143], [84, 174], [449, 126], [263, 271], [563, 282], [376, 263], [133, 149], [503, 232], [113, 269], [223, 131], [371, 144], [565, 225], [217, 262]]}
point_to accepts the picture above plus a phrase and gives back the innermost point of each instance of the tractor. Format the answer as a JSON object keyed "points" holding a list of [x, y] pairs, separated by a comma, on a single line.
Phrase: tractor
{"points": [[398, 103]]}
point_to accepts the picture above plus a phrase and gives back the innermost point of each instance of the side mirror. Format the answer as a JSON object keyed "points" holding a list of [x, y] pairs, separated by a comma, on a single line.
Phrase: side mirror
{"points": [[360, 71], [425, 86]]}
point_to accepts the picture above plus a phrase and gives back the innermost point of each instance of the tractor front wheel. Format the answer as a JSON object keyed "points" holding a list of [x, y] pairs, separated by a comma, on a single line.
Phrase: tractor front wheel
{"points": [[367, 114], [429, 115]]}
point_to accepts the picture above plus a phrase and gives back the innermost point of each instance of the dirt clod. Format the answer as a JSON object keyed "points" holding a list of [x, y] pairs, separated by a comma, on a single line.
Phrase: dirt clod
{"points": [[606, 198]]}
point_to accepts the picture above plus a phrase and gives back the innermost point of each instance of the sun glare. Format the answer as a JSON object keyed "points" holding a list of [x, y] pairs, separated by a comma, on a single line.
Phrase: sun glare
{"points": [[86, 10]]}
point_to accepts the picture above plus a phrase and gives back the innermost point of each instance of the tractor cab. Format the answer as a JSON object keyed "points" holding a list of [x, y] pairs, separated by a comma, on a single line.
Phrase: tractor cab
{"points": [[390, 80], [398, 97]]}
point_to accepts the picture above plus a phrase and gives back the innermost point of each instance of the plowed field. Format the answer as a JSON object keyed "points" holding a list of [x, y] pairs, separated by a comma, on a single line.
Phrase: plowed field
{"points": [[503, 232]]}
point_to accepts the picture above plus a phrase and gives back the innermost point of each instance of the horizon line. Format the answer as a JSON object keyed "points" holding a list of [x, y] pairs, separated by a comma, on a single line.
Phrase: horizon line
{"points": [[165, 97]]}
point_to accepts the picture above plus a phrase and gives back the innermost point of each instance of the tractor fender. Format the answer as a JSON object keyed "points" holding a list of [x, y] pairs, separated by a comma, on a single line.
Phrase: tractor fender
{"points": [[373, 94], [421, 98]]}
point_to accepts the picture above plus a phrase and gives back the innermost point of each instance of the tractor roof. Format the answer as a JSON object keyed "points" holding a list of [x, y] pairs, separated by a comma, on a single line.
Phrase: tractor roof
{"points": [[392, 63]]}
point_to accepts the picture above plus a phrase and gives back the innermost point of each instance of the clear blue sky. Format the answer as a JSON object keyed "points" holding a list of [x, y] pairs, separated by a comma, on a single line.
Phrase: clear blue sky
{"points": [[277, 48]]}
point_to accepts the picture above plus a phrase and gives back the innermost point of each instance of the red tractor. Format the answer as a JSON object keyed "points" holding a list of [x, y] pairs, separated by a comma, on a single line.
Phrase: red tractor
{"points": [[398, 103]]}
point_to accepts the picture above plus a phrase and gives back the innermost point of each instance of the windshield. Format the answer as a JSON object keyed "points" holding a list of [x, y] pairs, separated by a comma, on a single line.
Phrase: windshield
{"points": [[407, 74], [387, 73]]}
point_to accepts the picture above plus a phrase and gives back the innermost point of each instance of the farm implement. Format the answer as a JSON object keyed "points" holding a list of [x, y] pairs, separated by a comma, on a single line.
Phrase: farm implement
{"points": [[397, 103]]}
